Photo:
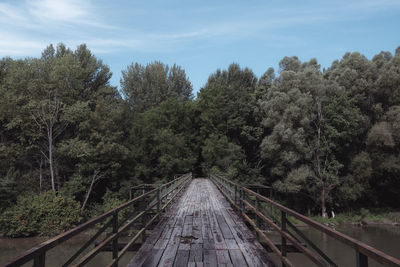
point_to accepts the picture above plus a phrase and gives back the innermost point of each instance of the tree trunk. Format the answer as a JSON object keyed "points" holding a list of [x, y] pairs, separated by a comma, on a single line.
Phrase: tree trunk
{"points": [[89, 190], [50, 139], [40, 174], [323, 204], [47, 117]]}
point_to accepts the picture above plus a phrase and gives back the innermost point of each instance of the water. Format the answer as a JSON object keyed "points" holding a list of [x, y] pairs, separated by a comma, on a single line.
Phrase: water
{"points": [[12, 247], [382, 237]]}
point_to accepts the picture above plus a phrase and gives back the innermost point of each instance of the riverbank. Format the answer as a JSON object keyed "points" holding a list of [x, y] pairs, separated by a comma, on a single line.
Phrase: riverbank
{"points": [[363, 217]]}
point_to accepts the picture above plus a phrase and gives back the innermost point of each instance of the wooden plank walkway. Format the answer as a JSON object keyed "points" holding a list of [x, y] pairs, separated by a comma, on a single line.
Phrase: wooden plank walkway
{"points": [[201, 229]]}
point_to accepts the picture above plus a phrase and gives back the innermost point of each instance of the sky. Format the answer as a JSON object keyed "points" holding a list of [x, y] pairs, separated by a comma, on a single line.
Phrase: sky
{"points": [[201, 36]]}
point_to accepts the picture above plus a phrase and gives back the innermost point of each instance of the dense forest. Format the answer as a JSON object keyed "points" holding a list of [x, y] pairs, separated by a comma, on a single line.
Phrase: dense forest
{"points": [[71, 144]]}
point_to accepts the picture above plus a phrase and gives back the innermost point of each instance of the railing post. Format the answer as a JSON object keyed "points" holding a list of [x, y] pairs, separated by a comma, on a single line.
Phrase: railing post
{"points": [[40, 260], [361, 259], [236, 202], [257, 219], [241, 199], [283, 239], [159, 199], [143, 226], [257, 208], [115, 241]]}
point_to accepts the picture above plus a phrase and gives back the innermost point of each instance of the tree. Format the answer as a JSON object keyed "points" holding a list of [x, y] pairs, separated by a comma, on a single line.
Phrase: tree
{"points": [[306, 118], [227, 117], [164, 141], [148, 86]]}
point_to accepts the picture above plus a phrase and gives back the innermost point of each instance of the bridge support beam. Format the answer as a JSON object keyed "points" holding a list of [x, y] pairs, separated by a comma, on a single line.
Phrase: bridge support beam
{"points": [[115, 241], [361, 260], [283, 239], [40, 260]]}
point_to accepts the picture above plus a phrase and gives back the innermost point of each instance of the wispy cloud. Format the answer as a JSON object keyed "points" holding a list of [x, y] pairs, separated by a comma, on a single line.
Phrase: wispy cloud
{"points": [[60, 10], [29, 25], [16, 45]]}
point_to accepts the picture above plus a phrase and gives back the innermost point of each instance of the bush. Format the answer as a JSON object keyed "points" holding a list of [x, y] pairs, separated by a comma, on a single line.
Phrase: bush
{"points": [[44, 214], [112, 200]]}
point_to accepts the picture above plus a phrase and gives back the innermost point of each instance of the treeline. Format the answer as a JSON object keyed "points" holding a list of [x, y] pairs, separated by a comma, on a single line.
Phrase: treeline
{"points": [[325, 138]]}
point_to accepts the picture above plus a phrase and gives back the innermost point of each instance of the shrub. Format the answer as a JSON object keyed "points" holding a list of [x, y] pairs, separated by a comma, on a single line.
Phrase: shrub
{"points": [[44, 214], [111, 200]]}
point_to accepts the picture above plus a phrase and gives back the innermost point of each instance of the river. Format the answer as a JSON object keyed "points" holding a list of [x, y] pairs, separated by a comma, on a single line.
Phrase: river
{"points": [[382, 237], [12, 247]]}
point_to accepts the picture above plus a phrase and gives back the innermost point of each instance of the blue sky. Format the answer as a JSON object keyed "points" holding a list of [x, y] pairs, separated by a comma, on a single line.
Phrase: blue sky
{"points": [[201, 36]]}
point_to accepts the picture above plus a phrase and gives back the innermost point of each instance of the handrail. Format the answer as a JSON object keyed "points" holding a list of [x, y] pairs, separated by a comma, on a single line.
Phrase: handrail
{"points": [[37, 254], [363, 251]]}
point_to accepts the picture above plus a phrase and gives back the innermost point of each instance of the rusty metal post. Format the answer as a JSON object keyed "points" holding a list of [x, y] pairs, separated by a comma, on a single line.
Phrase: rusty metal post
{"points": [[257, 206], [144, 225], [241, 199], [159, 199], [236, 202], [361, 259], [256, 218], [283, 239], [115, 241], [40, 260], [270, 197]]}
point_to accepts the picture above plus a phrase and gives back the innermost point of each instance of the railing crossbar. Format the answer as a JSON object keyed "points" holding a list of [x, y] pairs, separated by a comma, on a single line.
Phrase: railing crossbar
{"points": [[153, 198], [242, 202]]}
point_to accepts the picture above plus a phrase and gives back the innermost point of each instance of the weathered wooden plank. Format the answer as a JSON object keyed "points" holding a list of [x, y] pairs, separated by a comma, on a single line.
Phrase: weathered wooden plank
{"points": [[208, 244], [196, 253], [202, 230], [244, 238], [141, 255], [223, 258], [153, 259], [197, 220], [224, 226], [181, 259], [231, 243], [210, 258], [216, 231], [188, 219], [168, 257], [237, 258], [206, 232], [161, 244]]}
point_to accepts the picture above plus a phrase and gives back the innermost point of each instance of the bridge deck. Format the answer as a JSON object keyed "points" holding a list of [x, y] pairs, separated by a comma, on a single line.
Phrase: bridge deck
{"points": [[201, 229]]}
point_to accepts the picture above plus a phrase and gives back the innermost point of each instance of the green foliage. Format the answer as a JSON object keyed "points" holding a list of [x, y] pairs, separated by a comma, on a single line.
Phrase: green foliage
{"points": [[148, 86], [44, 214], [163, 141], [363, 216], [228, 123], [8, 189], [328, 139], [110, 201]]}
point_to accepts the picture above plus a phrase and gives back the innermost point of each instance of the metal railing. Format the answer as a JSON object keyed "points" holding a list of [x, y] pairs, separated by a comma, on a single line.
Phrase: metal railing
{"points": [[277, 216], [153, 203]]}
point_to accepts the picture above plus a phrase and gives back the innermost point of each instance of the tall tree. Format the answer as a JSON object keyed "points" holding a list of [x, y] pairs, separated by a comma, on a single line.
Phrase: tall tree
{"points": [[228, 122], [147, 86], [305, 119], [164, 141], [47, 117]]}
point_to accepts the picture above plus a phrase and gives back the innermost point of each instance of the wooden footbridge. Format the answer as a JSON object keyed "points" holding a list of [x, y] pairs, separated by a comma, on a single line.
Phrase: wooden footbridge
{"points": [[200, 222]]}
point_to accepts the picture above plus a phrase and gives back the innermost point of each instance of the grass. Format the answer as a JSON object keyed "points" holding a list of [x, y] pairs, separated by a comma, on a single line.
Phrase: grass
{"points": [[364, 216]]}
